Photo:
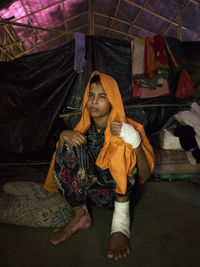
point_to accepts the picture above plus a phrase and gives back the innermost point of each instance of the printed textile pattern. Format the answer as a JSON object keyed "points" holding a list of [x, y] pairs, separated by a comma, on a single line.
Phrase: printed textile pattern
{"points": [[29, 204], [78, 179], [74, 175]]}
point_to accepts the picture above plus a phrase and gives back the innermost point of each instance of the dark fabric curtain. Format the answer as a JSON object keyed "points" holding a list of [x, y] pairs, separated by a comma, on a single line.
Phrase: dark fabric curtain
{"points": [[35, 89]]}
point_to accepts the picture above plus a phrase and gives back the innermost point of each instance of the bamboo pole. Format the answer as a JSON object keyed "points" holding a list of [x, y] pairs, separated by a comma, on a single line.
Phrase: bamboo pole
{"points": [[158, 105], [91, 17], [12, 37], [66, 115], [124, 22], [6, 53], [113, 18], [39, 10], [149, 11], [187, 4], [67, 20], [30, 21], [30, 50], [179, 32], [117, 31], [157, 15], [35, 46], [65, 16], [115, 14], [194, 2], [61, 33], [6, 22], [128, 1], [74, 17], [133, 24], [57, 37]]}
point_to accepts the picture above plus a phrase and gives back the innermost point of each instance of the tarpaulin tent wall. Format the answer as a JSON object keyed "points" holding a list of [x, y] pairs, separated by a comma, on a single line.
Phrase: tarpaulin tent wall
{"points": [[35, 89]]}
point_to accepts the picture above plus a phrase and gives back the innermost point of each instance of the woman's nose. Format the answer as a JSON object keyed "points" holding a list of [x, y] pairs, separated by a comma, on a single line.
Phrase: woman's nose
{"points": [[94, 100]]}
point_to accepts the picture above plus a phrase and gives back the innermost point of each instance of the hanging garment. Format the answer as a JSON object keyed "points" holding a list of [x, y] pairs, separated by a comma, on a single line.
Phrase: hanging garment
{"points": [[155, 56], [137, 50], [185, 88], [79, 58], [150, 68], [142, 92]]}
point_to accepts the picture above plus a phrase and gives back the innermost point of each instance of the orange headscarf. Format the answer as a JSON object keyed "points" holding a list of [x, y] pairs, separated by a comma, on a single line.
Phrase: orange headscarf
{"points": [[116, 155]]}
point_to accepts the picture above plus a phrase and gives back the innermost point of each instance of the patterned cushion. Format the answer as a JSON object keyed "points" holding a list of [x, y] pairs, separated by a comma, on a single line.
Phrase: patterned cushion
{"points": [[28, 203]]}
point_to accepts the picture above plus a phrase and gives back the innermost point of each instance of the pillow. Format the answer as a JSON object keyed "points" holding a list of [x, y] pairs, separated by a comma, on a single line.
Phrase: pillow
{"points": [[29, 204]]}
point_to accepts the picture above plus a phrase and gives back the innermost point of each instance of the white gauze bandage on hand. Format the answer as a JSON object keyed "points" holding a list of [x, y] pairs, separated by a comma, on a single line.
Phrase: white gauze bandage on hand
{"points": [[130, 135], [121, 218]]}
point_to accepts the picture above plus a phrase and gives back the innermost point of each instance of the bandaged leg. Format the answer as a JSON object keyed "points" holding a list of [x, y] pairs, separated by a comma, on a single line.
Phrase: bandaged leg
{"points": [[121, 218]]}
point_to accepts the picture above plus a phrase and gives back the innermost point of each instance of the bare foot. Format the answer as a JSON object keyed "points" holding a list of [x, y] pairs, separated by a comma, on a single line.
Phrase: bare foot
{"points": [[118, 247], [80, 220]]}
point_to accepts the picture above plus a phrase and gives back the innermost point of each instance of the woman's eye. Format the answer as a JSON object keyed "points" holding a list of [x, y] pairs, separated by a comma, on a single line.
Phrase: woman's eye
{"points": [[103, 96]]}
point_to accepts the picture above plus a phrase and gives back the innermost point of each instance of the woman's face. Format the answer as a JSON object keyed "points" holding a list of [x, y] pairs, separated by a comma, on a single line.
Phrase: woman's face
{"points": [[98, 104]]}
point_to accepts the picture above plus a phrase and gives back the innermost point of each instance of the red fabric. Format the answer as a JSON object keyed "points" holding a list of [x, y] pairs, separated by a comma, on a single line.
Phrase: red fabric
{"points": [[159, 50], [141, 92], [185, 86], [154, 55]]}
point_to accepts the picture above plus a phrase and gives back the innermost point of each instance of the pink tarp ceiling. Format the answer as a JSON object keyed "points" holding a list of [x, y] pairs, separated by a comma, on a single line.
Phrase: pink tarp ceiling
{"points": [[121, 19]]}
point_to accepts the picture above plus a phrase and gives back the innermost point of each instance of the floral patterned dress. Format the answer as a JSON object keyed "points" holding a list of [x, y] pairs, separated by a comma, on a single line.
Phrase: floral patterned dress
{"points": [[79, 178]]}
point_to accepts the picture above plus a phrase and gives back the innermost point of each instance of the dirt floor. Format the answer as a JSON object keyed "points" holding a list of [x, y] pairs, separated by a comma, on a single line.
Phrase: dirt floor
{"points": [[165, 230]]}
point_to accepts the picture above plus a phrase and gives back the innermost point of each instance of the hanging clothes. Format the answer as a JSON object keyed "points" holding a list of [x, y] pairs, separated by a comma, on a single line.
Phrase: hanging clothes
{"points": [[185, 87], [154, 55], [150, 69], [79, 58], [142, 92]]}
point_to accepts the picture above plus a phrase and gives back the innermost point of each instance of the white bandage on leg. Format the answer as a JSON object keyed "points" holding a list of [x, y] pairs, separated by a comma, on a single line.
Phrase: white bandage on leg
{"points": [[121, 218], [130, 135]]}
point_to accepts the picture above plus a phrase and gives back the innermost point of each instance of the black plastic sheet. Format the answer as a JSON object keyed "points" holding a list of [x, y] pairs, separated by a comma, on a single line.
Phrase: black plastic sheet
{"points": [[33, 90], [36, 89]]}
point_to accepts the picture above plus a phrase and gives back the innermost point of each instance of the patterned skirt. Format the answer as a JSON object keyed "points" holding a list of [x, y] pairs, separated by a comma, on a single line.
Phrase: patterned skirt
{"points": [[79, 179]]}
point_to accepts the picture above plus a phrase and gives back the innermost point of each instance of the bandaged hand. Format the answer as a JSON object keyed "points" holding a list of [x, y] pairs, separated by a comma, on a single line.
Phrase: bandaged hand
{"points": [[130, 135]]}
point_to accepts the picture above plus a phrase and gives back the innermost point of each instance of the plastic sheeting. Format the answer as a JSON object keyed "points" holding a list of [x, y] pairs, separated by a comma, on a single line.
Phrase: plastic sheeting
{"points": [[33, 91], [36, 88]]}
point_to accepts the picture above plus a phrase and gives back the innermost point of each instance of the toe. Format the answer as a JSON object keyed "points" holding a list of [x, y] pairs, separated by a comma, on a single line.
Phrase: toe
{"points": [[109, 254], [126, 252], [120, 254]]}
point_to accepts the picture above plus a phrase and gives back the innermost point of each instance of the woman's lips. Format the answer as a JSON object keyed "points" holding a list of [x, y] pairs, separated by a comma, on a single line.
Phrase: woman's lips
{"points": [[94, 110]]}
